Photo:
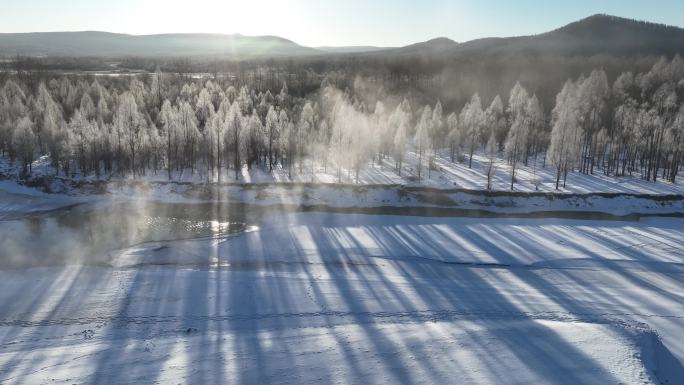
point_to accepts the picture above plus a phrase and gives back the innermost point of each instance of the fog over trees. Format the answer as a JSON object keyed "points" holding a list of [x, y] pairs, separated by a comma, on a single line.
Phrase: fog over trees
{"points": [[165, 123]]}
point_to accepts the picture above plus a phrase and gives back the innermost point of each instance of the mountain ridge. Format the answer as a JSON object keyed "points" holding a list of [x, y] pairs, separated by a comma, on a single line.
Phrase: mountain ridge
{"points": [[100, 43], [596, 34]]}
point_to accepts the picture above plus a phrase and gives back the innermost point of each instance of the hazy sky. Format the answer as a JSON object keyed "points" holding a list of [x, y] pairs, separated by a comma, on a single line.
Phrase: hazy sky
{"points": [[326, 22]]}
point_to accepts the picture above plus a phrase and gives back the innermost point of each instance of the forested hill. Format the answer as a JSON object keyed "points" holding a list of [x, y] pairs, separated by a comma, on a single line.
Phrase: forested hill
{"points": [[596, 35], [94, 43]]}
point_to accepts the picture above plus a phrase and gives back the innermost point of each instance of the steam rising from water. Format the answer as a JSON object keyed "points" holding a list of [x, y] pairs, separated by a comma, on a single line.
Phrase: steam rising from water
{"points": [[91, 234]]}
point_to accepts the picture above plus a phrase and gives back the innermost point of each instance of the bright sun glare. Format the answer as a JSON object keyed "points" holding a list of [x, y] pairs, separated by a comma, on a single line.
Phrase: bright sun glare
{"points": [[244, 17]]}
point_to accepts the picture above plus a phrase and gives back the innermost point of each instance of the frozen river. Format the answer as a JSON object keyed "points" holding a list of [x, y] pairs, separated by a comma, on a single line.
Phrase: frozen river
{"points": [[178, 293]]}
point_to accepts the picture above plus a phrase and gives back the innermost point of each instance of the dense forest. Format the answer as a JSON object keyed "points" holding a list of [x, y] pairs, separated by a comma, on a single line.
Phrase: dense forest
{"points": [[629, 124]]}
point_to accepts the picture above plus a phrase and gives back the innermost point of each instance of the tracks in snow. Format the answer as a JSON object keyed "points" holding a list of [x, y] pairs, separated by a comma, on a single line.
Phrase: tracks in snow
{"points": [[415, 316]]}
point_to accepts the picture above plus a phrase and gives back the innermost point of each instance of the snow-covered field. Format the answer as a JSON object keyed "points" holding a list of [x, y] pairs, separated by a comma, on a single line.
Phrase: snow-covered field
{"points": [[306, 298], [480, 289], [653, 243], [396, 351]]}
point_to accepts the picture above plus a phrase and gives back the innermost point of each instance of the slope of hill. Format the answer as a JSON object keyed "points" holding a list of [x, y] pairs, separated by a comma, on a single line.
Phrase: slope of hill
{"points": [[430, 47], [598, 34], [94, 43], [351, 49]]}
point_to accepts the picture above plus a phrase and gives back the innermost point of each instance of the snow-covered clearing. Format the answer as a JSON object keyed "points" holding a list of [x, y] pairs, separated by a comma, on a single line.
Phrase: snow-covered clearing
{"points": [[436, 352], [446, 175], [339, 298]]}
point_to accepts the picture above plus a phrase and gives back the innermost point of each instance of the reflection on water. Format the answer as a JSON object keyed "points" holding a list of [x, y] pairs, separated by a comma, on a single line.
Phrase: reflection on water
{"points": [[86, 234]]}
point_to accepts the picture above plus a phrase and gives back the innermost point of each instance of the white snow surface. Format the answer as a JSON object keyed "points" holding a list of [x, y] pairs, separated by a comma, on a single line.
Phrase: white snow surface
{"points": [[649, 243], [446, 175], [16, 200], [319, 297], [308, 298], [349, 196]]}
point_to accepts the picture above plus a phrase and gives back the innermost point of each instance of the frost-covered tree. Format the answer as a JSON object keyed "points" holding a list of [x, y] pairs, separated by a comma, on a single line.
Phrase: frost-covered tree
{"points": [[272, 133], [361, 149], [454, 136], [170, 126], [129, 125], [234, 136], [472, 122], [48, 115], [491, 151], [187, 123], [593, 95], [675, 138], [566, 132], [400, 120], [515, 143], [204, 109], [537, 132], [156, 94], [304, 127], [12, 110], [422, 137], [290, 144], [254, 138], [516, 140], [379, 132], [324, 135], [23, 140], [496, 121], [87, 107], [83, 132], [436, 134]]}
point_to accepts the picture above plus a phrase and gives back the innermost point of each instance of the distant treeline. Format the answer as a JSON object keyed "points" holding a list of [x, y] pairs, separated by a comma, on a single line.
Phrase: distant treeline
{"points": [[432, 77]]}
